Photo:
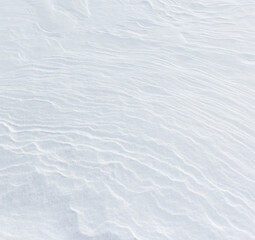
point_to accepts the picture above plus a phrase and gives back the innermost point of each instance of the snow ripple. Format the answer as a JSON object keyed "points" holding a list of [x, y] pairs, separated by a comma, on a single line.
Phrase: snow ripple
{"points": [[127, 120]]}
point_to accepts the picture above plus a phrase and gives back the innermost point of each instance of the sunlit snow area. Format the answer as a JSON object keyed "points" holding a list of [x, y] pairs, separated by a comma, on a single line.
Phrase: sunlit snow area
{"points": [[127, 119]]}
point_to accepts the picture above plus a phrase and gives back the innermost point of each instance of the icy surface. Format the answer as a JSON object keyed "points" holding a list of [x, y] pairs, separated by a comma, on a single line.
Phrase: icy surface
{"points": [[127, 119]]}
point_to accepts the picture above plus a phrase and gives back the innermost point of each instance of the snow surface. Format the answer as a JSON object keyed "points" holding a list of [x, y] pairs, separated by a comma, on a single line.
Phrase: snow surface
{"points": [[127, 119]]}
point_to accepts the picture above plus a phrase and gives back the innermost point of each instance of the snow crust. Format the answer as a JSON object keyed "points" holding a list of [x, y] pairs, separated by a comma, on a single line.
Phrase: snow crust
{"points": [[127, 120]]}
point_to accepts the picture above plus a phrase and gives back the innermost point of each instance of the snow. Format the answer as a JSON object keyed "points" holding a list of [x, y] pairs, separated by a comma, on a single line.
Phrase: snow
{"points": [[127, 120]]}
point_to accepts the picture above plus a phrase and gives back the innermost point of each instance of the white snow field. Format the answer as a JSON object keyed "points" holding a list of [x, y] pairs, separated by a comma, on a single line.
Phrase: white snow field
{"points": [[127, 120]]}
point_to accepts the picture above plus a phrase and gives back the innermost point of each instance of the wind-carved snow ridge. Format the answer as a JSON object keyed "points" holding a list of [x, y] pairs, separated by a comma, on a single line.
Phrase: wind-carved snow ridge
{"points": [[127, 120]]}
